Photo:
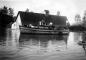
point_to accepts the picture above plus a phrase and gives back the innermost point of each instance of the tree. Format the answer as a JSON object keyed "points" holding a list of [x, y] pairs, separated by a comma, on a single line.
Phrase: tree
{"points": [[77, 18], [11, 11], [4, 10]]}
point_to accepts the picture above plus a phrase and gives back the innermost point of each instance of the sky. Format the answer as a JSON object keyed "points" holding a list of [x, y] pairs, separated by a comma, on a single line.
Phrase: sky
{"points": [[67, 8]]}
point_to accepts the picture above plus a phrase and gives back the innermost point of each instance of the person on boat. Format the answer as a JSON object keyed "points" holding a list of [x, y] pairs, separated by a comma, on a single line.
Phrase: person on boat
{"points": [[51, 26], [31, 26]]}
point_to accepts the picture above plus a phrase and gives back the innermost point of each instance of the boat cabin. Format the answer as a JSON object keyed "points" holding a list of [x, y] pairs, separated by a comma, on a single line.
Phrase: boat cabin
{"points": [[30, 19]]}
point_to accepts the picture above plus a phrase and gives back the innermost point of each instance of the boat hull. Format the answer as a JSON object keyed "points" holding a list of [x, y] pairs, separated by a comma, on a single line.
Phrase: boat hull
{"points": [[41, 31]]}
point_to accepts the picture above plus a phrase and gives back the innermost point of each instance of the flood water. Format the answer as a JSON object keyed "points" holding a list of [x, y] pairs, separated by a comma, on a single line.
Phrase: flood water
{"points": [[16, 46]]}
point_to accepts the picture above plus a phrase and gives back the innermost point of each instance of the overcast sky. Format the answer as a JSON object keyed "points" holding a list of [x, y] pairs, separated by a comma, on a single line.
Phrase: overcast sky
{"points": [[67, 7]]}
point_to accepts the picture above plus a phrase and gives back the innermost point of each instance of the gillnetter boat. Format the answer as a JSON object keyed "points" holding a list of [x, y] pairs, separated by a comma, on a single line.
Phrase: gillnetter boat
{"points": [[43, 30], [37, 23]]}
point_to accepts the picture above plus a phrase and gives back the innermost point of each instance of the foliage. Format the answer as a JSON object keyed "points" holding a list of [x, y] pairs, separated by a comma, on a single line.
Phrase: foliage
{"points": [[6, 10]]}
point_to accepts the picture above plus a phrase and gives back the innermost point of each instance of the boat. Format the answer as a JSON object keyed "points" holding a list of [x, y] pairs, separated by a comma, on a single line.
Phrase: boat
{"points": [[38, 23], [42, 31]]}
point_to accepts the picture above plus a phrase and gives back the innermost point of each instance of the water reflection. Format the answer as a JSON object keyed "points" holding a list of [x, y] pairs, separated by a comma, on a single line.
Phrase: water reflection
{"points": [[12, 39], [73, 39], [2, 36], [44, 42], [14, 44], [84, 42]]}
